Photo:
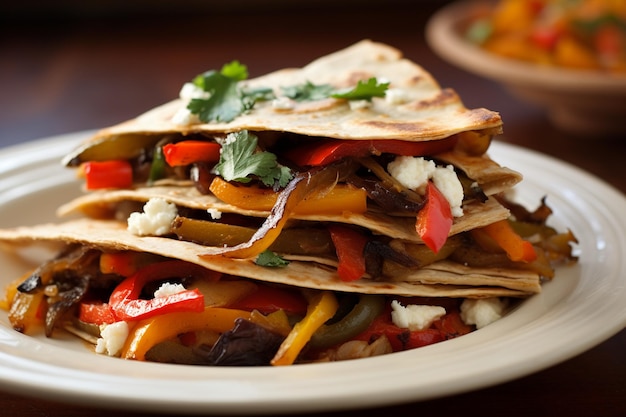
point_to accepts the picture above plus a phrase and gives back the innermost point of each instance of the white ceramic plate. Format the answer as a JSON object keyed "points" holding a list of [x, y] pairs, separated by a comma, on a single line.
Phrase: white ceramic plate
{"points": [[582, 307]]}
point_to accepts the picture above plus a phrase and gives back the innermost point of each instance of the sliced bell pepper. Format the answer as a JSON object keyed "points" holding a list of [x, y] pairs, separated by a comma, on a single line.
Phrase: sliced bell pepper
{"points": [[299, 188], [434, 220], [326, 151], [350, 248], [322, 307], [152, 331], [190, 151], [124, 263], [516, 248], [399, 338], [96, 313], [341, 198], [267, 299], [115, 173], [127, 306]]}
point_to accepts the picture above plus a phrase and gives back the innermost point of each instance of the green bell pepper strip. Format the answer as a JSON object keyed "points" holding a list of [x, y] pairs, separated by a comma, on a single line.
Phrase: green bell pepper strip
{"points": [[352, 324]]}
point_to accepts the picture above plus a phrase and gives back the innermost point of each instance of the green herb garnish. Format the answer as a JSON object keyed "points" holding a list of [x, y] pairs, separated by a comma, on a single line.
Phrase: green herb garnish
{"points": [[269, 258], [240, 161], [308, 91], [364, 90], [226, 100]]}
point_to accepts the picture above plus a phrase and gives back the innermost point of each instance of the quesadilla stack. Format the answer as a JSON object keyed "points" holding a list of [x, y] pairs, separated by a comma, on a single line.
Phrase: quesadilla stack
{"points": [[355, 183]]}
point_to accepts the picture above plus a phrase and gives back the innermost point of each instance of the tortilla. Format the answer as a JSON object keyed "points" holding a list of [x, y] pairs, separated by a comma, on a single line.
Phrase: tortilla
{"points": [[429, 113], [437, 280]]}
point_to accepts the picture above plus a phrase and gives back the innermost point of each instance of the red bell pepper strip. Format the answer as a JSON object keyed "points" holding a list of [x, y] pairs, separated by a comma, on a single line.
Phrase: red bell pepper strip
{"points": [[399, 338], [191, 151], [115, 173], [127, 306], [434, 220], [268, 299], [96, 313], [326, 151], [350, 247], [516, 248]]}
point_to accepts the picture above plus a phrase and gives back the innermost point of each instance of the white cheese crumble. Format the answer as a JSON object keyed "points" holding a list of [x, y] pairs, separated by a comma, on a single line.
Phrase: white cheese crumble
{"points": [[482, 311], [183, 116], [414, 173], [112, 338], [283, 103], [415, 316], [359, 104], [214, 213], [156, 219], [397, 96], [168, 289]]}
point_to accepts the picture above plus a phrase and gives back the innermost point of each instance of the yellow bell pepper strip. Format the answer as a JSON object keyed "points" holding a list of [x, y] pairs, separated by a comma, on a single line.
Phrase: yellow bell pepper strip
{"points": [[127, 306], [324, 152], [434, 220], [190, 151], [516, 248], [300, 187], [350, 248], [322, 307], [115, 173], [149, 332], [27, 311], [341, 198]]}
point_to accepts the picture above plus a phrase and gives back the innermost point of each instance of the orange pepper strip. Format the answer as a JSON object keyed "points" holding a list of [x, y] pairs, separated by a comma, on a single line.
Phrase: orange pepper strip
{"points": [[299, 188], [322, 307], [147, 333], [341, 198], [516, 248]]}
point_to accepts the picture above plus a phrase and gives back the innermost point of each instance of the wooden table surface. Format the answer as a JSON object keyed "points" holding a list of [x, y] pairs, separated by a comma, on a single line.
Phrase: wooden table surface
{"points": [[66, 72]]}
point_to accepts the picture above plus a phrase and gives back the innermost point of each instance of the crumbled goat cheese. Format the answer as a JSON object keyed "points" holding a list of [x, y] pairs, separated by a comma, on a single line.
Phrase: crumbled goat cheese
{"points": [[359, 104], [112, 338], [183, 116], [396, 96], [414, 173], [168, 289], [214, 213], [448, 183], [482, 311], [283, 103], [414, 316], [156, 219]]}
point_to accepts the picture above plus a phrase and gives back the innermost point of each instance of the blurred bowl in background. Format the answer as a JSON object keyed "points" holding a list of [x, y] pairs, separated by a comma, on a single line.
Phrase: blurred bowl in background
{"points": [[577, 101]]}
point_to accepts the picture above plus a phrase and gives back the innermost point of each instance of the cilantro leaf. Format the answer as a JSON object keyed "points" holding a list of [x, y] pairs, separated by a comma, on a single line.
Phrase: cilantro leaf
{"points": [[226, 100], [308, 91], [269, 258], [235, 70], [239, 160], [364, 90]]}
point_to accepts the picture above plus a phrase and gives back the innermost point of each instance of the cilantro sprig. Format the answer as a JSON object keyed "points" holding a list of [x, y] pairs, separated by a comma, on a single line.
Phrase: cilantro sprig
{"points": [[226, 99], [364, 90], [240, 161], [271, 259]]}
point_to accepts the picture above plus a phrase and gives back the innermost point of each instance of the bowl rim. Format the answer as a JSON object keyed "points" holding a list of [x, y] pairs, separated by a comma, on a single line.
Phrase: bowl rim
{"points": [[442, 35]]}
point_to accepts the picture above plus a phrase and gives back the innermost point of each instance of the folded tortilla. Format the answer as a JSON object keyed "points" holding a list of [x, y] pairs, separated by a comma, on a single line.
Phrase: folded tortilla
{"points": [[442, 279], [429, 112]]}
